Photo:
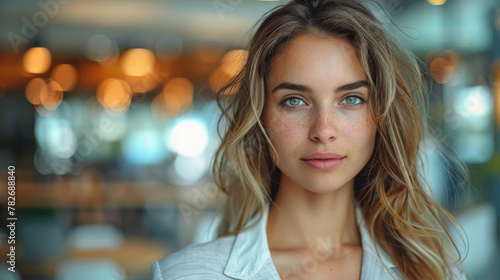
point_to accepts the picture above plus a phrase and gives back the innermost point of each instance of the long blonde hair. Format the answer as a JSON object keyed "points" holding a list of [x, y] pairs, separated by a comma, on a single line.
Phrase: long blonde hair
{"points": [[402, 217]]}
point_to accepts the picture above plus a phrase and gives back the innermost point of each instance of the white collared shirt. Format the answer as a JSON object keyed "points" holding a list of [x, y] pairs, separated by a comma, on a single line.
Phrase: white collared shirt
{"points": [[246, 255]]}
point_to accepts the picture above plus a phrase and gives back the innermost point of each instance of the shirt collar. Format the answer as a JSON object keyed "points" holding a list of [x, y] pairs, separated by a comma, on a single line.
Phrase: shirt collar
{"points": [[369, 244], [251, 250]]}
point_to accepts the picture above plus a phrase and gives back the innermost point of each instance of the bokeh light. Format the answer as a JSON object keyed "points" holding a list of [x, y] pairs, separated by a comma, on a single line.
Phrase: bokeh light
{"points": [[102, 49], [436, 2], [51, 95], [37, 60], [233, 62], [475, 101], [55, 136], [188, 137], [138, 62], [143, 84], [178, 92], [33, 89], [441, 70], [219, 79], [65, 75], [176, 97], [114, 95], [144, 148]]}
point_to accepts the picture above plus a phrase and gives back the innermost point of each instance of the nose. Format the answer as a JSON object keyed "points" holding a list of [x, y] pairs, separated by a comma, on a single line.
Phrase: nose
{"points": [[323, 125]]}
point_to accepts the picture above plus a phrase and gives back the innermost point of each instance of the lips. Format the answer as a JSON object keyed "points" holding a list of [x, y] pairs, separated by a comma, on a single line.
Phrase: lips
{"points": [[323, 160]]}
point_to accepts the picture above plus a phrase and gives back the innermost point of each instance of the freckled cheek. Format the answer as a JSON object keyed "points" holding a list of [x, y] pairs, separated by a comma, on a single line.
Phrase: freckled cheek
{"points": [[362, 130], [282, 128], [284, 131]]}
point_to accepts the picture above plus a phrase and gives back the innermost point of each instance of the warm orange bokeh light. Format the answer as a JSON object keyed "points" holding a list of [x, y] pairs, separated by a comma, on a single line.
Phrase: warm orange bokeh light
{"points": [[179, 89], [138, 62], [219, 79], [143, 84], [436, 2], [37, 60], [33, 89], [176, 97], [233, 62], [114, 95], [51, 95], [65, 75], [441, 70]]}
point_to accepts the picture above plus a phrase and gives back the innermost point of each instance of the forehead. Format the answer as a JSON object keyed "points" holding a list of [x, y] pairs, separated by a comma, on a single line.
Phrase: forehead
{"points": [[310, 59]]}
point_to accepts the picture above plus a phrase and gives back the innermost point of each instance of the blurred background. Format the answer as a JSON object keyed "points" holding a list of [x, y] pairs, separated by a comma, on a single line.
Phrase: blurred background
{"points": [[107, 114]]}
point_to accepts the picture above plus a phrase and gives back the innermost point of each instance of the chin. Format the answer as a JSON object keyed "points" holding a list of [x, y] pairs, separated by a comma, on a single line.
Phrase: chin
{"points": [[324, 188]]}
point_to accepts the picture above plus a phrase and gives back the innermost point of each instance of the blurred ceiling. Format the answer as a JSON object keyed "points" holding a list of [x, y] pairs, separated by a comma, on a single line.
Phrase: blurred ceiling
{"points": [[67, 25], [71, 23]]}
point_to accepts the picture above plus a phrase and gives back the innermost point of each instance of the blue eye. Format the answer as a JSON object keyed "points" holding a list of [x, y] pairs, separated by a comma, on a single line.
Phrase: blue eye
{"points": [[353, 100], [293, 102]]}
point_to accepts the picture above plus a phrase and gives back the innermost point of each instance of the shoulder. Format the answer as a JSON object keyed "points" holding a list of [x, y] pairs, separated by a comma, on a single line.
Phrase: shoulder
{"points": [[196, 261], [374, 268]]}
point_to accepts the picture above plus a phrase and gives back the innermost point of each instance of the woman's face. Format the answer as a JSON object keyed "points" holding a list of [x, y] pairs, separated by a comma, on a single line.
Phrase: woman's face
{"points": [[317, 114]]}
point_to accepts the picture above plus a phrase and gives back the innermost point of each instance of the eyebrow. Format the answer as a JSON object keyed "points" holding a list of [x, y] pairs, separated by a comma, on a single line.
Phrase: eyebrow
{"points": [[305, 88]]}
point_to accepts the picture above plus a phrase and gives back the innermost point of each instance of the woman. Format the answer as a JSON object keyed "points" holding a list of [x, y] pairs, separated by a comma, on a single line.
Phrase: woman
{"points": [[319, 160]]}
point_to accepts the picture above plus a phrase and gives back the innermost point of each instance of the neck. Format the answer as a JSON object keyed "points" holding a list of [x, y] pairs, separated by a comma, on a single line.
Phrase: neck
{"points": [[301, 219]]}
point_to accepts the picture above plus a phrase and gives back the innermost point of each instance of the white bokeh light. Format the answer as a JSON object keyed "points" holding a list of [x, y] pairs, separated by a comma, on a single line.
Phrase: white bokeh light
{"points": [[188, 138]]}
